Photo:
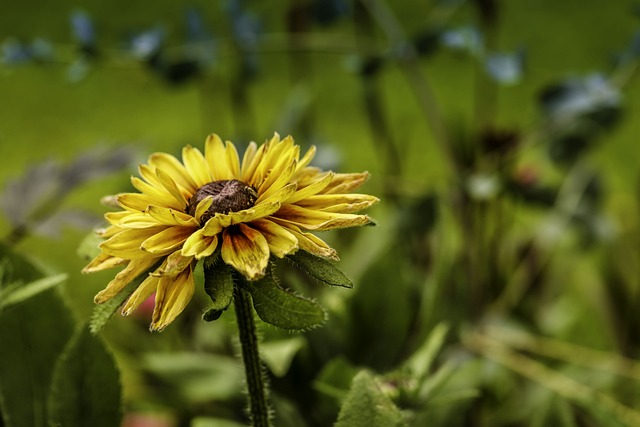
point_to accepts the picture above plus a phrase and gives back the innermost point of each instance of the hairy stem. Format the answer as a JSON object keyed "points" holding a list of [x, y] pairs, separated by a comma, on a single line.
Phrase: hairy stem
{"points": [[259, 408]]}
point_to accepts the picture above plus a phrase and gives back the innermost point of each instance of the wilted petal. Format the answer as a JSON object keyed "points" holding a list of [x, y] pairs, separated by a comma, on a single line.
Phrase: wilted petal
{"points": [[246, 250], [173, 265], [339, 203], [135, 268], [172, 296], [318, 220], [310, 242], [103, 262], [142, 292]]}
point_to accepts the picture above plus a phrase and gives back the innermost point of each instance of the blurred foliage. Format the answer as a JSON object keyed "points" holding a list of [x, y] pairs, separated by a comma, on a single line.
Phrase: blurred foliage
{"points": [[500, 287]]}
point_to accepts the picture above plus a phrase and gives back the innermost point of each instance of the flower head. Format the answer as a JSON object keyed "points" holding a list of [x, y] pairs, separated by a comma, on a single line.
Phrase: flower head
{"points": [[251, 209]]}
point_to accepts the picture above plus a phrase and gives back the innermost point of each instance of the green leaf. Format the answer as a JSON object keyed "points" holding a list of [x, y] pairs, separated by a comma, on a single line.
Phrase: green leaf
{"points": [[420, 362], [195, 377], [103, 312], [32, 335], [320, 269], [218, 283], [88, 248], [85, 389], [277, 355], [367, 405], [24, 292], [283, 308], [214, 422]]}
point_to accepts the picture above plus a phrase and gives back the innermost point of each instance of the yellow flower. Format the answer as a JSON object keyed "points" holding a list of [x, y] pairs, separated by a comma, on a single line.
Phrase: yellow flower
{"points": [[264, 205]]}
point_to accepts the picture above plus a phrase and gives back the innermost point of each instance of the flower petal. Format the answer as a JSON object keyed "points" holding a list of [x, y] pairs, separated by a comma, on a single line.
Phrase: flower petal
{"points": [[135, 268], [223, 160], [199, 246], [166, 216], [126, 243], [247, 160], [306, 159], [340, 203], [313, 188], [346, 182], [160, 196], [281, 242], [166, 241], [103, 262], [173, 265], [246, 250], [219, 221], [277, 179], [176, 170], [318, 220], [196, 165], [309, 242], [172, 297], [142, 292], [172, 187]]}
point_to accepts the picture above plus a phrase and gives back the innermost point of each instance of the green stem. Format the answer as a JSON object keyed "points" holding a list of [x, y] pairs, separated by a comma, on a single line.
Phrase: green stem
{"points": [[249, 342]]}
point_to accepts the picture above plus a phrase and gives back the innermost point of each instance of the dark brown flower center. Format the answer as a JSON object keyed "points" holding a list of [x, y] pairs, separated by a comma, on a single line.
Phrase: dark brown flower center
{"points": [[228, 196]]}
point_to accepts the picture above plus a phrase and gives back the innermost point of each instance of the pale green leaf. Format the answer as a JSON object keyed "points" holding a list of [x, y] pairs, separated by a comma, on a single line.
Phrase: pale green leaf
{"points": [[277, 355], [24, 292], [421, 360], [366, 405], [85, 389]]}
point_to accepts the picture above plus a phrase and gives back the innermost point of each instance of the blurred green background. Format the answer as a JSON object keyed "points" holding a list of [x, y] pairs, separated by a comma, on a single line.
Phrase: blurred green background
{"points": [[487, 177]]}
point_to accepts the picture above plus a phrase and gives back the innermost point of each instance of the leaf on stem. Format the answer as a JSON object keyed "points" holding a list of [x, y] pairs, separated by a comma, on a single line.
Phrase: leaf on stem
{"points": [[320, 269], [282, 308]]}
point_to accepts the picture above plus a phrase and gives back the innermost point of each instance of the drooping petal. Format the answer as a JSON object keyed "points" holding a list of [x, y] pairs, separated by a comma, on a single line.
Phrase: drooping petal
{"points": [[173, 265], [176, 170], [103, 262], [172, 296], [196, 165], [135, 268], [346, 182], [309, 242], [281, 242], [246, 250], [318, 220], [166, 241], [142, 292], [199, 246], [339, 203]]}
